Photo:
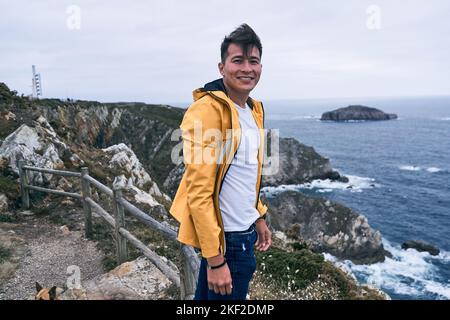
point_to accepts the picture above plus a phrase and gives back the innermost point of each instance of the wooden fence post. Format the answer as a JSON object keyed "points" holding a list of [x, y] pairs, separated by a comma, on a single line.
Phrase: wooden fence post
{"points": [[188, 279], [119, 216], [190, 264], [86, 192], [24, 191]]}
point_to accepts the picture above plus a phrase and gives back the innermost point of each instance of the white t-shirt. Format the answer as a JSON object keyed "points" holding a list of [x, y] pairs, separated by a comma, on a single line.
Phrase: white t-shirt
{"points": [[238, 194]]}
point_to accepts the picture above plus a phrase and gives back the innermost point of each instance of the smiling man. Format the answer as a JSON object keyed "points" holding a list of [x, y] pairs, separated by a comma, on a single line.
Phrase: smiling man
{"points": [[217, 202]]}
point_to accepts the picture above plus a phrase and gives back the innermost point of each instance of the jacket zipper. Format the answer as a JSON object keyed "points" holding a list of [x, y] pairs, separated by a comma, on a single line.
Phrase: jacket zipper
{"points": [[221, 181], [231, 121], [260, 175]]}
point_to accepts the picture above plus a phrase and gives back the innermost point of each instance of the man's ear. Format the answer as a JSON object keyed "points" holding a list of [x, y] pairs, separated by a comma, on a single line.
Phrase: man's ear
{"points": [[220, 65], [38, 287], [52, 293]]}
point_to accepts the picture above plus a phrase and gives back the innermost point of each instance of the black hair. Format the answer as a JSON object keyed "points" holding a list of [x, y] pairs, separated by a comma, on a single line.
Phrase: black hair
{"points": [[244, 37]]}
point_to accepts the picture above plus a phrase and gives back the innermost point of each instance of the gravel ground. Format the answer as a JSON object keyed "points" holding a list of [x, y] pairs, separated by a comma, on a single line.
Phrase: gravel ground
{"points": [[45, 254]]}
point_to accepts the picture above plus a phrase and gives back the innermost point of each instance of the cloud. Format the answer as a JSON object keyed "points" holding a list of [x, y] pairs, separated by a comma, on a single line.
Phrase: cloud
{"points": [[159, 51]]}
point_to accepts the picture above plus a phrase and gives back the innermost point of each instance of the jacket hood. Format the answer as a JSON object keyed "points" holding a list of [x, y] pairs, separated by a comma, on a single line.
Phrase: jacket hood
{"points": [[217, 86]]}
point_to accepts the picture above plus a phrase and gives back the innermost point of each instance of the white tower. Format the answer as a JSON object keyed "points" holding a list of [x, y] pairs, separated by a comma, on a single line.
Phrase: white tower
{"points": [[36, 83]]}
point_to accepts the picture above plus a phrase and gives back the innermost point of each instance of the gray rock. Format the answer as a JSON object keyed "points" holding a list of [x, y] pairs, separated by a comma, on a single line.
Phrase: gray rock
{"points": [[26, 213], [39, 145], [135, 280], [357, 112], [173, 179], [3, 203], [326, 226], [421, 246], [299, 163]]}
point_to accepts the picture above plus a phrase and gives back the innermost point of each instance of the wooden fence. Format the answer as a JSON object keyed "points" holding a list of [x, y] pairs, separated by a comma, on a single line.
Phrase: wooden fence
{"points": [[188, 271]]}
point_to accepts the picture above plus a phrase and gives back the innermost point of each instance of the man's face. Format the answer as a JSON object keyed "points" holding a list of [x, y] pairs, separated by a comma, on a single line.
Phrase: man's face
{"points": [[241, 73]]}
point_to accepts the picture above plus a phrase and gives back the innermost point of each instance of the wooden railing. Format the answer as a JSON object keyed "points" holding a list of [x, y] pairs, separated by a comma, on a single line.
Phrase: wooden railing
{"points": [[188, 271]]}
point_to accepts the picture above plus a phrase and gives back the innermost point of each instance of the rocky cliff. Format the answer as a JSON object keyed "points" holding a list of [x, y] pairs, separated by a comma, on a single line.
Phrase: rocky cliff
{"points": [[89, 125], [129, 144], [326, 226], [298, 163]]}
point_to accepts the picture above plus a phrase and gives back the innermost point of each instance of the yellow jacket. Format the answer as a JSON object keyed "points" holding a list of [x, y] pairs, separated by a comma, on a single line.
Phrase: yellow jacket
{"points": [[196, 203]]}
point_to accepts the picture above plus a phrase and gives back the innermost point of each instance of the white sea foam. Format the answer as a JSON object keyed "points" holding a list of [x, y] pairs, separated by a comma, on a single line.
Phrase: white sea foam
{"points": [[325, 190], [445, 119], [408, 272], [355, 184], [439, 289], [417, 168], [443, 255], [410, 168]]}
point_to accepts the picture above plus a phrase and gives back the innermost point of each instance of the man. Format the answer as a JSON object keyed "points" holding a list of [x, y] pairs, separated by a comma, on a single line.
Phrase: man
{"points": [[217, 202]]}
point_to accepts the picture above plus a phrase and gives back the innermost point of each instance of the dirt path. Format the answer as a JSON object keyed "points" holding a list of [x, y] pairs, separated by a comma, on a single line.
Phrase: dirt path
{"points": [[40, 250]]}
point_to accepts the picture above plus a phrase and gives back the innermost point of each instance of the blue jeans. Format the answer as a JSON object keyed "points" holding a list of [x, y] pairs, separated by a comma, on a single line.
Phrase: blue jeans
{"points": [[241, 261]]}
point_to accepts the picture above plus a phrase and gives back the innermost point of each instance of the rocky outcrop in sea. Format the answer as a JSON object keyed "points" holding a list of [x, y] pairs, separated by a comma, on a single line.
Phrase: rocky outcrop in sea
{"points": [[357, 113], [421, 246]]}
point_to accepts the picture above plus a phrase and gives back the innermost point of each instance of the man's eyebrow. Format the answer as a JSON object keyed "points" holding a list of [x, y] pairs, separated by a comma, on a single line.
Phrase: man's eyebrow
{"points": [[240, 56]]}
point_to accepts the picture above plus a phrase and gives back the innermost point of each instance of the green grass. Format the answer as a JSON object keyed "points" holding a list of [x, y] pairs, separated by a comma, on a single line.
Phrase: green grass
{"points": [[171, 116], [7, 218], [291, 269], [7, 127], [294, 271], [9, 97], [96, 172], [50, 210], [10, 187], [162, 246], [103, 235], [5, 253]]}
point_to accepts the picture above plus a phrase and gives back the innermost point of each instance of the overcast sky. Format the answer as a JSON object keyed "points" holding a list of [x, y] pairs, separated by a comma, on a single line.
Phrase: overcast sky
{"points": [[159, 51]]}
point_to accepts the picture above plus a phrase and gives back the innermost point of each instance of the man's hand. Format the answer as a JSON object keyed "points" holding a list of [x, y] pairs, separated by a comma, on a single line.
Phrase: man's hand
{"points": [[264, 236], [219, 279]]}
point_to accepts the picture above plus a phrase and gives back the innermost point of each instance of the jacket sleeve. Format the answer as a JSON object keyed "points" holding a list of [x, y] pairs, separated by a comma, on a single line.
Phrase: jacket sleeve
{"points": [[262, 208], [200, 123]]}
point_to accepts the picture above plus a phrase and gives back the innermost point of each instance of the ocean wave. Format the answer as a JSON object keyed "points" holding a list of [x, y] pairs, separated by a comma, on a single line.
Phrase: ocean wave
{"points": [[417, 168], [443, 256], [410, 168], [440, 290], [311, 117], [445, 119], [355, 184], [408, 272]]}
